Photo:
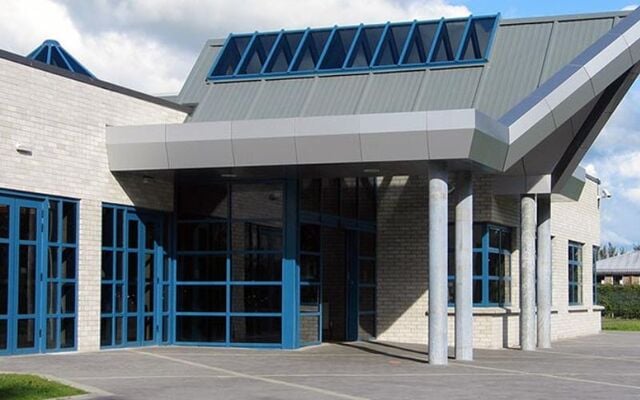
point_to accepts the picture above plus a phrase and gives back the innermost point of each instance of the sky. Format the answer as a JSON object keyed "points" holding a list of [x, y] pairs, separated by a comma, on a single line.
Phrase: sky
{"points": [[150, 45]]}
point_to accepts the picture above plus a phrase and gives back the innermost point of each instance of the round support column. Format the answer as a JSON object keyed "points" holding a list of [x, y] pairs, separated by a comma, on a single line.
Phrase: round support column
{"points": [[544, 272], [438, 285], [527, 272], [464, 267]]}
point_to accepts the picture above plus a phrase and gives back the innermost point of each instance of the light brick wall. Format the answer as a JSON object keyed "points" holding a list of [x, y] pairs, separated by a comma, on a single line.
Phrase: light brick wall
{"points": [[63, 122], [403, 262]]}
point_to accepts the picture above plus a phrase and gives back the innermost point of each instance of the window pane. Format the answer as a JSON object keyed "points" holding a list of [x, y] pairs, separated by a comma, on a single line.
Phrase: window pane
{"points": [[26, 333], [310, 298], [52, 298], [107, 265], [449, 41], [338, 49], [451, 291], [52, 263], [505, 240], [284, 52], [257, 236], [477, 263], [310, 238], [53, 221], [68, 222], [231, 55], [367, 244], [309, 268], [310, 195], [257, 54], [367, 271], [68, 266], [256, 267], [200, 329], [119, 228], [367, 199], [478, 232], [27, 280], [67, 333], [106, 295], [494, 238], [202, 201], [477, 45], [392, 45], [348, 198], [4, 278], [251, 201], [256, 298], [256, 330], [331, 196], [365, 47], [201, 298], [202, 268], [27, 223], [496, 292], [3, 334], [309, 329], [310, 51], [68, 298], [495, 267], [106, 333], [421, 43], [107, 226], [202, 236], [477, 291], [132, 329], [367, 300], [133, 234], [4, 221]]}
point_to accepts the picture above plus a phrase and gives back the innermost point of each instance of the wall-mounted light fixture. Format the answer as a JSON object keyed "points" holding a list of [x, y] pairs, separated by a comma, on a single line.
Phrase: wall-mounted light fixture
{"points": [[24, 149], [146, 179]]}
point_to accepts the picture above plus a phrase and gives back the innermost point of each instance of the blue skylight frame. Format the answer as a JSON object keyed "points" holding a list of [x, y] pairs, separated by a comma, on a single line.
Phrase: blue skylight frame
{"points": [[50, 52], [356, 48]]}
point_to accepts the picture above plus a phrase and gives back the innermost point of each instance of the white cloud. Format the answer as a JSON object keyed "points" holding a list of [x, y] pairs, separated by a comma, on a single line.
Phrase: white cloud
{"points": [[150, 45], [630, 7]]}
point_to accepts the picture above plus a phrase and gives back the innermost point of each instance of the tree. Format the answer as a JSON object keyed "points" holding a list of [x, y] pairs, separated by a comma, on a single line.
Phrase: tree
{"points": [[609, 250]]}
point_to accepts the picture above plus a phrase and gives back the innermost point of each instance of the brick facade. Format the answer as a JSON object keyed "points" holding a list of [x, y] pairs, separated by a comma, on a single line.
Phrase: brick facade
{"points": [[403, 262], [63, 122]]}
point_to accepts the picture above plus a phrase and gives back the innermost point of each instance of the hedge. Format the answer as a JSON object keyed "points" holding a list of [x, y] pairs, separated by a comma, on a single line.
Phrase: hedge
{"points": [[620, 301]]}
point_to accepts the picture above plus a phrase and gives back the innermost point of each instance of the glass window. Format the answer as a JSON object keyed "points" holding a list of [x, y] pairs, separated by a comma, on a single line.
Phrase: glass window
{"points": [[310, 195], [365, 47], [209, 268], [202, 236], [338, 48], [256, 267], [575, 273], [230, 56], [196, 201], [257, 54], [200, 329], [420, 43], [491, 266], [283, 53], [311, 50], [449, 40], [392, 45], [256, 330], [477, 41], [256, 299], [257, 201], [201, 298]]}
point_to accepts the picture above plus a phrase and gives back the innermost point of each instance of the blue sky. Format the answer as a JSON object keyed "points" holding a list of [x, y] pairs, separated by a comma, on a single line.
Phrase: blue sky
{"points": [[151, 45]]}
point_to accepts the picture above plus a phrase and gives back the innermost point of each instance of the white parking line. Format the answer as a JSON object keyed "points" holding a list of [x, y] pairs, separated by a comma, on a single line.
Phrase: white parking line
{"points": [[252, 377]]}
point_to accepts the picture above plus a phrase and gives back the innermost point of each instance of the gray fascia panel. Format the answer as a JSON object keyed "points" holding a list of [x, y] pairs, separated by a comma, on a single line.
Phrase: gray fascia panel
{"points": [[326, 140], [199, 145], [137, 147], [263, 142], [394, 137]]}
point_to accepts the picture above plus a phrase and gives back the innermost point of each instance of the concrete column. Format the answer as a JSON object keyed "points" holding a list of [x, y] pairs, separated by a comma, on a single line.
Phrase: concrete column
{"points": [[464, 267], [438, 297], [527, 272], [544, 272]]}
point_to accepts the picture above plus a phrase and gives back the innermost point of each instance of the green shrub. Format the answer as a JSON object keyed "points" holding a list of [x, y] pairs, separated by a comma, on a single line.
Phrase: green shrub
{"points": [[620, 301]]}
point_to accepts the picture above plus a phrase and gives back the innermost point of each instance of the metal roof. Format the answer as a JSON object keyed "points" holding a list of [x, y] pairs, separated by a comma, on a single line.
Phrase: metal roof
{"points": [[525, 53], [622, 264]]}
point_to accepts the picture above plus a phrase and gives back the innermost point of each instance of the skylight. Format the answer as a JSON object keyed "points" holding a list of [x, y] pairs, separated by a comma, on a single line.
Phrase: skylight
{"points": [[50, 52], [356, 48]]}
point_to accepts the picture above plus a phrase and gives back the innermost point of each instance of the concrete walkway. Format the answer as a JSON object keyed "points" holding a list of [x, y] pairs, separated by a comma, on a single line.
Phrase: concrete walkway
{"points": [[595, 367]]}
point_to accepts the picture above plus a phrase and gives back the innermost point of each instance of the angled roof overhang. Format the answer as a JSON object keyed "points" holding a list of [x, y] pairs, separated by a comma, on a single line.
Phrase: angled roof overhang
{"points": [[542, 138]]}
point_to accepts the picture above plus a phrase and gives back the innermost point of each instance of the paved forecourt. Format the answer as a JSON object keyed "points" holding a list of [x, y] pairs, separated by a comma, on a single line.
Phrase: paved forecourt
{"points": [[593, 367]]}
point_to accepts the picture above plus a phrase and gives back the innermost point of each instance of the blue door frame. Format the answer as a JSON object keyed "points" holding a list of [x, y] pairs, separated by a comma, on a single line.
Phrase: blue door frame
{"points": [[31, 318]]}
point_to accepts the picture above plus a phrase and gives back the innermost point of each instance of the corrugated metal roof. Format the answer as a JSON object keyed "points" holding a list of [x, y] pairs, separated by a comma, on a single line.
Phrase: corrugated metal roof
{"points": [[391, 92], [336, 95], [625, 263], [525, 53], [195, 87], [448, 89], [569, 39], [514, 67]]}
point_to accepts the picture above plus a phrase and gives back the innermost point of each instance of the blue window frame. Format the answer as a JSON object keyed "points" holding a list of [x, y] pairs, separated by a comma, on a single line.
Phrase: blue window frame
{"points": [[417, 44], [491, 265], [229, 267], [135, 276], [575, 273], [38, 273], [594, 260], [327, 205]]}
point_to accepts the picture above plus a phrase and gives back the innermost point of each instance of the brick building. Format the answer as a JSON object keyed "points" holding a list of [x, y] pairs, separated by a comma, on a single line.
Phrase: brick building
{"points": [[403, 182], [623, 269]]}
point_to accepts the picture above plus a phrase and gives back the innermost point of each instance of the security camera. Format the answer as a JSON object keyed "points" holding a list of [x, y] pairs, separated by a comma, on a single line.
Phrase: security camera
{"points": [[606, 194]]}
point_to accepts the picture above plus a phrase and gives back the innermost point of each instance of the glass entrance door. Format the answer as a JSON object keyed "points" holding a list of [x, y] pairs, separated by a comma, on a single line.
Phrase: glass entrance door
{"points": [[143, 278], [19, 267]]}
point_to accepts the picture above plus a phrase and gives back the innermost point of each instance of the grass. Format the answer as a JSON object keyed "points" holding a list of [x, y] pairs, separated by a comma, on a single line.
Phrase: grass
{"points": [[617, 324], [31, 387]]}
